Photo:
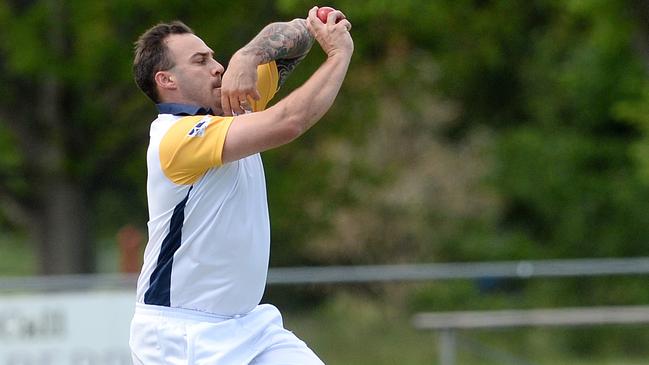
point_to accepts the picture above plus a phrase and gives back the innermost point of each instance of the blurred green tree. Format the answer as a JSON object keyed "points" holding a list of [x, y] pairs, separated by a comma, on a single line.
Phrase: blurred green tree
{"points": [[74, 127], [466, 130], [528, 132]]}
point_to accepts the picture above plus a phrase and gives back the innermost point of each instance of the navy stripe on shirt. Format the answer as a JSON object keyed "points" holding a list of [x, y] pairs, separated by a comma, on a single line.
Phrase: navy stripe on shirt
{"points": [[159, 292]]}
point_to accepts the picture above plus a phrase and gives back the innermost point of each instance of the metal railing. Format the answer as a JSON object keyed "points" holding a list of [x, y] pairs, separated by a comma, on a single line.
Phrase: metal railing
{"points": [[448, 323], [368, 273]]}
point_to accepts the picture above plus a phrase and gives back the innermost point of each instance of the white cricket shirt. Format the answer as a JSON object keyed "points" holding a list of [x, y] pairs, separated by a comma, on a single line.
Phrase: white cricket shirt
{"points": [[209, 230]]}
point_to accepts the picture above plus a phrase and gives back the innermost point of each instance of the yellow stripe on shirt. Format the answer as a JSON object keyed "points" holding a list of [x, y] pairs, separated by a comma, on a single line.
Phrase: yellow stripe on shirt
{"points": [[267, 84], [192, 146]]}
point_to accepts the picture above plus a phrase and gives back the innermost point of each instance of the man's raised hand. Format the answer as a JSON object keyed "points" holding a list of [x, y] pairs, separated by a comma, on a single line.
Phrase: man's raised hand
{"points": [[239, 85]]}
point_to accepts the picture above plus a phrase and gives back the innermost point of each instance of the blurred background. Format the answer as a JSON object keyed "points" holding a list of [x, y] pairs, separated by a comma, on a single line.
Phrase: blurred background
{"points": [[466, 131]]}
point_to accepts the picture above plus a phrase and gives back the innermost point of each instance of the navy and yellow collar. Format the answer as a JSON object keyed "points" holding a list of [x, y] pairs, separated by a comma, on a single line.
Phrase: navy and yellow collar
{"points": [[183, 109]]}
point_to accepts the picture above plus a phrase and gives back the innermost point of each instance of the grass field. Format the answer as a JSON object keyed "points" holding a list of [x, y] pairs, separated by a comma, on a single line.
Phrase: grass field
{"points": [[353, 331]]}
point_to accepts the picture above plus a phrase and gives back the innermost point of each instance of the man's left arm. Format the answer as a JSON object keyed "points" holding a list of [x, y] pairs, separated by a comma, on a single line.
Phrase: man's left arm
{"points": [[286, 43]]}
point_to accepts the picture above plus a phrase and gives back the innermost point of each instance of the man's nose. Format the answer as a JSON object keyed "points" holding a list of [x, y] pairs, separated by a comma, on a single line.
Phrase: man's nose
{"points": [[217, 69]]}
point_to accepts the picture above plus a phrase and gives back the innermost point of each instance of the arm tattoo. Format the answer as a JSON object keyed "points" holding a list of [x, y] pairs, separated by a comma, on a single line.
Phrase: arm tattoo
{"points": [[285, 67], [285, 43]]}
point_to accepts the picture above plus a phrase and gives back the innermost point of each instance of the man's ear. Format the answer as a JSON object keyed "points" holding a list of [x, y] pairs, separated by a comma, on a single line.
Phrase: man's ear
{"points": [[165, 80]]}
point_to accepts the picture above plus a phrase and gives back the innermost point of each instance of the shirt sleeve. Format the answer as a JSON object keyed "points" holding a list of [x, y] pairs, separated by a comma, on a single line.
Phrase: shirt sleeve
{"points": [[192, 146], [267, 84]]}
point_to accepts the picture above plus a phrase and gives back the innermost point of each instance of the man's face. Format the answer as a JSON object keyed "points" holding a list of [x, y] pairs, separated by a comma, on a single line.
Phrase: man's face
{"points": [[197, 74]]}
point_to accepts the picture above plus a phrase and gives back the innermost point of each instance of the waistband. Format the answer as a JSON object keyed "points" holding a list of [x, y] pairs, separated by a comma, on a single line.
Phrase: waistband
{"points": [[182, 313]]}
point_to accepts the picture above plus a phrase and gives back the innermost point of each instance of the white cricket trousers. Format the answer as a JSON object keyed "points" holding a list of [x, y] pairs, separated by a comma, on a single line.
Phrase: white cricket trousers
{"points": [[171, 336]]}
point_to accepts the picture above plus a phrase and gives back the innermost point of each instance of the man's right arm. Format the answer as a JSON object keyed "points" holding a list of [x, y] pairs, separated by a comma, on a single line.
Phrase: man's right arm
{"points": [[286, 43], [300, 110]]}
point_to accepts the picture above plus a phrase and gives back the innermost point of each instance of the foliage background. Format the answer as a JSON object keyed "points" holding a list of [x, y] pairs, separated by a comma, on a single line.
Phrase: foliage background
{"points": [[466, 130]]}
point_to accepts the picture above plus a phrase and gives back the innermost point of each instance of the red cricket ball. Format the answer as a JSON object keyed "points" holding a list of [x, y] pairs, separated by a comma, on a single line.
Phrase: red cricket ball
{"points": [[323, 12]]}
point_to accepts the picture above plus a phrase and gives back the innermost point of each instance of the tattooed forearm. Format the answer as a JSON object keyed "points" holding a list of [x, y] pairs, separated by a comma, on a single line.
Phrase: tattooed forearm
{"points": [[286, 66], [280, 41]]}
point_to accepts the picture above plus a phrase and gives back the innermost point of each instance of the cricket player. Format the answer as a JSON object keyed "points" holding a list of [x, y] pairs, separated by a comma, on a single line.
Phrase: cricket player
{"points": [[206, 260]]}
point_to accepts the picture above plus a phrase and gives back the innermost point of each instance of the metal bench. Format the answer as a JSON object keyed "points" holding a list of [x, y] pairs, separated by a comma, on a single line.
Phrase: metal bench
{"points": [[447, 323]]}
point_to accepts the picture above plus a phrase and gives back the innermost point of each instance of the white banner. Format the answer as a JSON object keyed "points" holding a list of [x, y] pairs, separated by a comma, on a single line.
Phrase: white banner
{"points": [[66, 328]]}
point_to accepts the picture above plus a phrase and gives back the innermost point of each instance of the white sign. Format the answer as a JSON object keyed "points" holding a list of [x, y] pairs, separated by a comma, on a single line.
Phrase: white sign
{"points": [[66, 329]]}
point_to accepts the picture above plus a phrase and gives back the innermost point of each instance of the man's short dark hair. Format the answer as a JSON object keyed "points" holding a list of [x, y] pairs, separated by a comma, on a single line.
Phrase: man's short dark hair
{"points": [[152, 55]]}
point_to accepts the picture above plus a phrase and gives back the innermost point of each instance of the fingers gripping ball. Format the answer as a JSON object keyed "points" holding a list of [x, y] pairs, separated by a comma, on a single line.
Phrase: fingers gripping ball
{"points": [[323, 12]]}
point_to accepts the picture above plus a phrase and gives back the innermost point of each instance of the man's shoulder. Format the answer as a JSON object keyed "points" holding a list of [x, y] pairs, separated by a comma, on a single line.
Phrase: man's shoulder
{"points": [[162, 122]]}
